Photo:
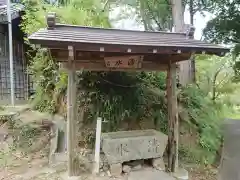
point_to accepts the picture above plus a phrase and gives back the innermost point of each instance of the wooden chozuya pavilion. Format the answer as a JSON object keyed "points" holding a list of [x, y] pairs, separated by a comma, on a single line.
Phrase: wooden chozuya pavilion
{"points": [[98, 49]]}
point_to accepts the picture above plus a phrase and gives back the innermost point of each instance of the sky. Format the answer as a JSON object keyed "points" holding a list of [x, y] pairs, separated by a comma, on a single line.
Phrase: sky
{"points": [[131, 23]]}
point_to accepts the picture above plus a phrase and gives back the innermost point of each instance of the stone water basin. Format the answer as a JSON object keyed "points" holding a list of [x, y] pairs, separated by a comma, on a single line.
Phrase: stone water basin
{"points": [[123, 146]]}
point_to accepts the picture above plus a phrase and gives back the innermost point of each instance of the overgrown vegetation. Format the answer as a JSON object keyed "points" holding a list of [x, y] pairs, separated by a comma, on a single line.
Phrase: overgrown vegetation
{"points": [[205, 117], [120, 96], [51, 83]]}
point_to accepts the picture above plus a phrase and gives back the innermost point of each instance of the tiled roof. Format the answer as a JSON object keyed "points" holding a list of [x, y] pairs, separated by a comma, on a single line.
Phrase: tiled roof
{"points": [[15, 9], [67, 34], [78, 34]]}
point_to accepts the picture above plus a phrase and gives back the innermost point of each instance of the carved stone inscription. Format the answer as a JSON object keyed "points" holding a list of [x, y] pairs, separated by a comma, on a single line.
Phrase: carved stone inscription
{"points": [[132, 145]]}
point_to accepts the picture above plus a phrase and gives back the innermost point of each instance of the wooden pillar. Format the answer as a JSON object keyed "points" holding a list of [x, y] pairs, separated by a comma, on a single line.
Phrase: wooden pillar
{"points": [[71, 117], [172, 118]]}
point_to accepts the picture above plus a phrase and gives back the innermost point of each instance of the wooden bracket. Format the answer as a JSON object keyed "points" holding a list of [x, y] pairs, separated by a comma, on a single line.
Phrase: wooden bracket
{"points": [[71, 58], [70, 53]]}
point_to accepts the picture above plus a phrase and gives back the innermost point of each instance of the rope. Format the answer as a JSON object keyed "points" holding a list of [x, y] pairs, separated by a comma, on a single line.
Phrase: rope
{"points": [[119, 85]]}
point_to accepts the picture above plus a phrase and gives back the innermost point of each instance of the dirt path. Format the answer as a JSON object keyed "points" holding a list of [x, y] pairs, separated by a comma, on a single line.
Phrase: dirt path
{"points": [[39, 170], [202, 173]]}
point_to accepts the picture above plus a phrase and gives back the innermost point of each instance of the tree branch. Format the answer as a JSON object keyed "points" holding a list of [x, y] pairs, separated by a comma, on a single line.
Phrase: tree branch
{"points": [[214, 88], [105, 4], [153, 17]]}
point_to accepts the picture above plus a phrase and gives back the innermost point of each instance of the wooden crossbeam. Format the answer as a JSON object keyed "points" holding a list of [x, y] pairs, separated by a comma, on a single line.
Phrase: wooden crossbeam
{"points": [[100, 66], [61, 55]]}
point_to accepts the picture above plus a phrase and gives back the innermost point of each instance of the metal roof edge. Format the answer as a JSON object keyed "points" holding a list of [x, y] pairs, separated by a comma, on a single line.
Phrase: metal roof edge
{"points": [[32, 38]]}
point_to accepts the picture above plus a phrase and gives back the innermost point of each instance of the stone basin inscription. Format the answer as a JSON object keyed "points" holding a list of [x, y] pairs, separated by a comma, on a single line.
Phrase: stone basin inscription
{"points": [[123, 146]]}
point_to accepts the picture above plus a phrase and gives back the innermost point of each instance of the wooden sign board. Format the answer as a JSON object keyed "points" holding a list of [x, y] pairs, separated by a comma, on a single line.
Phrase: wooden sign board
{"points": [[124, 62]]}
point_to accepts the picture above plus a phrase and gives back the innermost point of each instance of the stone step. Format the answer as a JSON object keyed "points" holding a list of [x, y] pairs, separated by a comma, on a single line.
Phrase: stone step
{"points": [[149, 174]]}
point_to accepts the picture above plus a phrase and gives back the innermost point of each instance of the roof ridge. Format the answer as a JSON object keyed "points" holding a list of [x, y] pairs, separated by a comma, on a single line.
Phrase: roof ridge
{"points": [[116, 29]]}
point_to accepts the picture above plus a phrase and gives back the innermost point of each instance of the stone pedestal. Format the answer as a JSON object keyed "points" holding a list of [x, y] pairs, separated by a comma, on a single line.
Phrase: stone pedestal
{"points": [[150, 174], [181, 174]]}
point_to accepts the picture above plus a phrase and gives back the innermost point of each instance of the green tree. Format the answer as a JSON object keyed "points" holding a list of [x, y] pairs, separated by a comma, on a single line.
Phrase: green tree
{"points": [[215, 75], [90, 12], [153, 15], [157, 14], [225, 28], [50, 82]]}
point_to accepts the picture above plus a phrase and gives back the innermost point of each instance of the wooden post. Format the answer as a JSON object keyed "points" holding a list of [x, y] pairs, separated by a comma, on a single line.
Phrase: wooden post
{"points": [[178, 21], [172, 118], [71, 117], [98, 145]]}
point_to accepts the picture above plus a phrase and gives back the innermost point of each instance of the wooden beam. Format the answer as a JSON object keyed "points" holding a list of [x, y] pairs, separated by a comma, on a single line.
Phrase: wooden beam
{"points": [[124, 48], [100, 66], [117, 48], [61, 55], [71, 117], [172, 118]]}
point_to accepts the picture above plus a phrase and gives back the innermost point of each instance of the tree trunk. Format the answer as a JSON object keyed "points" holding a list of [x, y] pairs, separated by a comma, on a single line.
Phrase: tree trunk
{"points": [[193, 64], [191, 10]]}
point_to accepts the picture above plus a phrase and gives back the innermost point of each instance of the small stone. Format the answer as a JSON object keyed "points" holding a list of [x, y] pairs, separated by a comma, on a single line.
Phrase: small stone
{"points": [[102, 174], [127, 168], [109, 174], [116, 169], [101, 165], [158, 164], [135, 163], [105, 167], [137, 167]]}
